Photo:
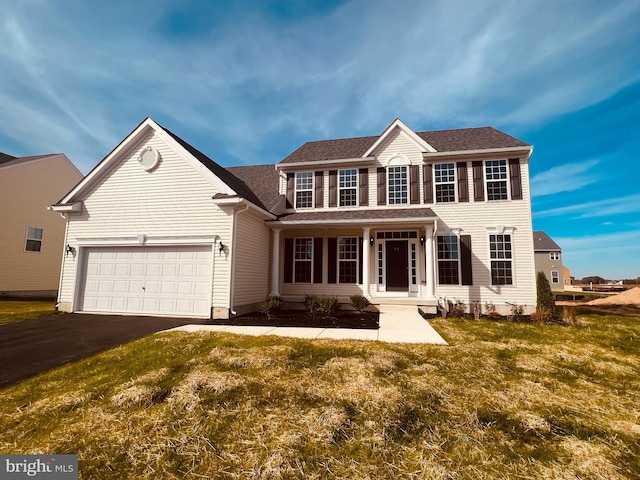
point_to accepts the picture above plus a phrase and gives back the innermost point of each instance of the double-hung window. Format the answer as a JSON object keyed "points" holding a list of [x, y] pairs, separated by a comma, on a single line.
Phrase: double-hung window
{"points": [[302, 260], [555, 276], [501, 259], [34, 239], [348, 260], [348, 187], [445, 181], [448, 260], [496, 178], [397, 184], [554, 255], [304, 189]]}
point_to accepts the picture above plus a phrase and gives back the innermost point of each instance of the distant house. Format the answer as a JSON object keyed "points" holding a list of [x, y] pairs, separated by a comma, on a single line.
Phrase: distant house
{"points": [[548, 258], [418, 218], [31, 236]]}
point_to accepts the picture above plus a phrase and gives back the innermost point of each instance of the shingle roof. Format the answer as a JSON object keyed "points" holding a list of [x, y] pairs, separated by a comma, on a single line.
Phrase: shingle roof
{"points": [[5, 157], [352, 215], [543, 242], [442, 140], [262, 180], [19, 160]]}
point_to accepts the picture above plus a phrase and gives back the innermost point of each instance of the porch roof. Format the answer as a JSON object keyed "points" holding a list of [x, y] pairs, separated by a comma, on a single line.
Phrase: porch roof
{"points": [[362, 216]]}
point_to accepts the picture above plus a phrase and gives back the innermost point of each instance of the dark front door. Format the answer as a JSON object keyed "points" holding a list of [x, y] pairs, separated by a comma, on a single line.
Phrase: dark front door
{"points": [[397, 265]]}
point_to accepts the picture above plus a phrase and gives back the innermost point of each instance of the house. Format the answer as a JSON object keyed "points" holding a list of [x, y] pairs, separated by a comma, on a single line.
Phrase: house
{"points": [[548, 257], [418, 218], [31, 237]]}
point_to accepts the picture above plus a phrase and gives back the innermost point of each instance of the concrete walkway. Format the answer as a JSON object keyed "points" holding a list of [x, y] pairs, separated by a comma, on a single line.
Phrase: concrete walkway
{"points": [[398, 323]]}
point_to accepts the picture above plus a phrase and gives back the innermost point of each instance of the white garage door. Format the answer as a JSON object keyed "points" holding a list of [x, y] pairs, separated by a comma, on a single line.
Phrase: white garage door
{"points": [[163, 281]]}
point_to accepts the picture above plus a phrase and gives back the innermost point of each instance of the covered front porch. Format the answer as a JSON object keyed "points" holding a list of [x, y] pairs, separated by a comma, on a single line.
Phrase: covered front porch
{"points": [[385, 255]]}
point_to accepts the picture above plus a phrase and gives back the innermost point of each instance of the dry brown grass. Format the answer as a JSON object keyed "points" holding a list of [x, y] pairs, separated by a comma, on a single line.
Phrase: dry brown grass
{"points": [[503, 401]]}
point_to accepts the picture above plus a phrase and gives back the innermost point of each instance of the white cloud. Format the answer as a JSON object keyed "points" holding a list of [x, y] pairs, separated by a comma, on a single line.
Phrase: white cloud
{"points": [[564, 178], [598, 208]]}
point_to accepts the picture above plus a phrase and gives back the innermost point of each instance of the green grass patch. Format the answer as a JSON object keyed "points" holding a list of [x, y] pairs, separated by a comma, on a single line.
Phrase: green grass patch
{"points": [[17, 310], [504, 400]]}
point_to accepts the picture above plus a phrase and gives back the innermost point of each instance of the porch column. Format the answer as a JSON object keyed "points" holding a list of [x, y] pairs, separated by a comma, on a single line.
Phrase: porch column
{"points": [[366, 255], [429, 263], [275, 263]]}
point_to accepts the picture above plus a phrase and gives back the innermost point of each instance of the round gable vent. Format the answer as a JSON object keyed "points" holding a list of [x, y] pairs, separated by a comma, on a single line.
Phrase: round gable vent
{"points": [[149, 158]]}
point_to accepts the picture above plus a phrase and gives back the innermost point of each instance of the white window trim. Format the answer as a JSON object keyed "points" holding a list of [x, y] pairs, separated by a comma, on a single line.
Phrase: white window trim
{"points": [[406, 170], [557, 278], [293, 273], [449, 234], [486, 180], [357, 189], [455, 182], [554, 255], [27, 238], [296, 189], [501, 230], [356, 261]]}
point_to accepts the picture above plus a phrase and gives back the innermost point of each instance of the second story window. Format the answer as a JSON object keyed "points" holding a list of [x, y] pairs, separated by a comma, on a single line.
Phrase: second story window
{"points": [[554, 255], [397, 185], [34, 239], [348, 187], [445, 180], [304, 190], [496, 178]]}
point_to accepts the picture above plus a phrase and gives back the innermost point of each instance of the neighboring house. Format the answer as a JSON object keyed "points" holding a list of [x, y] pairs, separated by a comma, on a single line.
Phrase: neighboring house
{"points": [[548, 255], [31, 237], [158, 228]]}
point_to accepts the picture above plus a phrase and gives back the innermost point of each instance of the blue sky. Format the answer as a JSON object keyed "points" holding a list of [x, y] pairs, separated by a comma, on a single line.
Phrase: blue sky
{"points": [[247, 82]]}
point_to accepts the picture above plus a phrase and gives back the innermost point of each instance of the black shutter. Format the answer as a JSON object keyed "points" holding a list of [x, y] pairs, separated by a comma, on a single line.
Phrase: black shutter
{"points": [[428, 183], [333, 188], [319, 189], [465, 260], [478, 182], [516, 181], [382, 186], [288, 260], [363, 184], [332, 257], [291, 179], [414, 184], [463, 185], [360, 260], [317, 260]]}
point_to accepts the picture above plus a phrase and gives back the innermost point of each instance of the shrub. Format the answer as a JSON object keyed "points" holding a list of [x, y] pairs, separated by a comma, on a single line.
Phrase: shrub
{"points": [[476, 309], [545, 306], [271, 306], [491, 310], [457, 309], [321, 306], [359, 303], [517, 312]]}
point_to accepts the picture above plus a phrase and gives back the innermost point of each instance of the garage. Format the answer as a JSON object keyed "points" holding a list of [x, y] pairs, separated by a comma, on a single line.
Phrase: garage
{"points": [[163, 280]]}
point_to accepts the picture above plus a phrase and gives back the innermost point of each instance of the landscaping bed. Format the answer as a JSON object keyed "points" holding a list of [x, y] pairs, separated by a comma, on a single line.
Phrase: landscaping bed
{"points": [[302, 318]]}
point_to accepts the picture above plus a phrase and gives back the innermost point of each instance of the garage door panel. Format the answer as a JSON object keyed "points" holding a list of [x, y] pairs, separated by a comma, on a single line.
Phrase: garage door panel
{"points": [[148, 280]]}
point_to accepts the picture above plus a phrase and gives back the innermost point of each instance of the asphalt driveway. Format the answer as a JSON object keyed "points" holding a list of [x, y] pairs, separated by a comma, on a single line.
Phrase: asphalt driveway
{"points": [[30, 347]]}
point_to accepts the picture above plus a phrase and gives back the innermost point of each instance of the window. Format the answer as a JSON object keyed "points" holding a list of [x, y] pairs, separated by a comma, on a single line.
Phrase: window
{"points": [[303, 254], [348, 187], [555, 276], [304, 190], [501, 259], [34, 239], [448, 260], [554, 255], [348, 260], [397, 185], [496, 177], [445, 178]]}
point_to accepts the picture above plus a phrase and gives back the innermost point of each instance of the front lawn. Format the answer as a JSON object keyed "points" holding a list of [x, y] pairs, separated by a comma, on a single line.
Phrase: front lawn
{"points": [[16, 310], [504, 400]]}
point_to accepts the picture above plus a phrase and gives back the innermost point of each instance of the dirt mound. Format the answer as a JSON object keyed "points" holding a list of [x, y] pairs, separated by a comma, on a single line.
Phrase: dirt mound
{"points": [[628, 297]]}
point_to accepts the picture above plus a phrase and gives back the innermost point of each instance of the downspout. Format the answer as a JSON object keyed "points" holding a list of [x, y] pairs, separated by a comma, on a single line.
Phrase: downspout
{"points": [[232, 275], [64, 255]]}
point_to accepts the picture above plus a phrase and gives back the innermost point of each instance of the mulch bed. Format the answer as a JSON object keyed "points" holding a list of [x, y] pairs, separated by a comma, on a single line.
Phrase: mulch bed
{"points": [[302, 318]]}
